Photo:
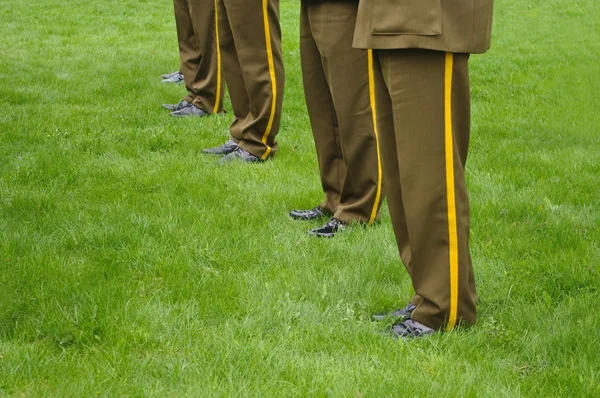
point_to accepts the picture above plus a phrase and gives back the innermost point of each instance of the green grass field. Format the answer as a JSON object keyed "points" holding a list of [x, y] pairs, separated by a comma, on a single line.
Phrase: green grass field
{"points": [[132, 265]]}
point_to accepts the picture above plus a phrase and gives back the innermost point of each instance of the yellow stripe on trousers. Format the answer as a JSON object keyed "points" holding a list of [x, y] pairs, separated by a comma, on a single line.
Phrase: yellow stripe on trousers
{"points": [[452, 228], [273, 79], [374, 113], [217, 43]]}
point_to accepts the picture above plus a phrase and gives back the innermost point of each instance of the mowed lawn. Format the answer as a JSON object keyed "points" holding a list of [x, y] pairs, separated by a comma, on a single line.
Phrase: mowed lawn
{"points": [[133, 265]]}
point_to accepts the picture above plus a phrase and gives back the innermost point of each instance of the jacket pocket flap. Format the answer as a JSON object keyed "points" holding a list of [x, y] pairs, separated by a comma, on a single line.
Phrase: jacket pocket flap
{"points": [[407, 17]]}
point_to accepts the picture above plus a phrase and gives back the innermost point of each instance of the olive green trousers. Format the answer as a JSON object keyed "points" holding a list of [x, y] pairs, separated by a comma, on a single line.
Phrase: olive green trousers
{"points": [[340, 106], [423, 117], [198, 53], [250, 44]]}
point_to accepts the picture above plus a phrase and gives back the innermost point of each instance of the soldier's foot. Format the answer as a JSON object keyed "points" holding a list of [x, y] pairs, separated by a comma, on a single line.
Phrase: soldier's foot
{"points": [[178, 106], [409, 328], [224, 149], [311, 214], [175, 77], [189, 111], [328, 230], [169, 75], [240, 154], [403, 313]]}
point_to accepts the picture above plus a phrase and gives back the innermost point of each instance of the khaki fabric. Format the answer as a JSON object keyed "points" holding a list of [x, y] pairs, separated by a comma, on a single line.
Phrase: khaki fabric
{"points": [[423, 120], [198, 52], [460, 26], [337, 91], [250, 43], [421, 50]]}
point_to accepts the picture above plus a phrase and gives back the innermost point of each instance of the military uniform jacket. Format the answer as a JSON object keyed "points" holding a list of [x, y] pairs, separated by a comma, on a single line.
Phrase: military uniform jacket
{"points": [[459, 26]]}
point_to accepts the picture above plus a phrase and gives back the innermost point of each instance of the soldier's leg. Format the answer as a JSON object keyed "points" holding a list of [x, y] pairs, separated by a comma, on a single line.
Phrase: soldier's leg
{"points": [[232, 72], [321, 112], [257, 37], [429, 97], [390, 164], [206, 81], [189, 53], [348, 73]]}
